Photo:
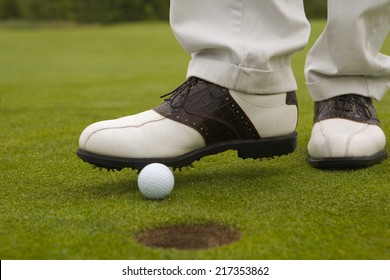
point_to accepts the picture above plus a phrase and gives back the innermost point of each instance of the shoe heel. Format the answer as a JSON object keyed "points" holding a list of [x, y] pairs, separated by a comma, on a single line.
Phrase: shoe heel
{"points": [[268, 147]]}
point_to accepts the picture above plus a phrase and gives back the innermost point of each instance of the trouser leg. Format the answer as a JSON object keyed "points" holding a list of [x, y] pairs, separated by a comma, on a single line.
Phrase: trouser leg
{"points": [[346, 58], [245, 45], [344, 70]]}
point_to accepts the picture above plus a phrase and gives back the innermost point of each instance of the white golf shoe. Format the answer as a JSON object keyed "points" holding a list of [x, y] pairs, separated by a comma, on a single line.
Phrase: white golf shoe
{"points": [[346, 134], [197, 119]]}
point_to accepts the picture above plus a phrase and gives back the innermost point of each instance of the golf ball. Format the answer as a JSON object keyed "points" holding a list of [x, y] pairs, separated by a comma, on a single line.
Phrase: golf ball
{"points": [[156, 181]]}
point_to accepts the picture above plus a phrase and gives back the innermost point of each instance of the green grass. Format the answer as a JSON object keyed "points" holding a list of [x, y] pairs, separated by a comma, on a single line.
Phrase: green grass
{"points": [[56, 81]]}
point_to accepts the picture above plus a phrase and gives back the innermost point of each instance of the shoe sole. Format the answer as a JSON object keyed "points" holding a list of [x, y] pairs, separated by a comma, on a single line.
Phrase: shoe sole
{"points": [[347, 162], [256, 149]]}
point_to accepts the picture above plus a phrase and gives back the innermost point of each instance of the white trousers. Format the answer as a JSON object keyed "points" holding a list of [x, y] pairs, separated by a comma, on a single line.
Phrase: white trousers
{"points": [[246, 45]]}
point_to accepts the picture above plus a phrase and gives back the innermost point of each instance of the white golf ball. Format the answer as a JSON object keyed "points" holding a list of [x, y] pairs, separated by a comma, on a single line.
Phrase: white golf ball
{"points": [[156, 181]]}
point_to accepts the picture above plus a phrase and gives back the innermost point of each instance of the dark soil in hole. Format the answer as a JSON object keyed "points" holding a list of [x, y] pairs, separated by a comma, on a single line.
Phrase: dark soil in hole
{"points": [[201, 236]]}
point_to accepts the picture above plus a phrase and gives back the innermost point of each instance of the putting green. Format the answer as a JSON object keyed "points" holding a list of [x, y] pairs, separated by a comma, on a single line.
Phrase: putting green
{"points": [[54, 81]]}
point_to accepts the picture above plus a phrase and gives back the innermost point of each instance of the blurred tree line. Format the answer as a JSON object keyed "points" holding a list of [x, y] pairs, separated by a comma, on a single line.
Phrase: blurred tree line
{"points": [[106, 11]]}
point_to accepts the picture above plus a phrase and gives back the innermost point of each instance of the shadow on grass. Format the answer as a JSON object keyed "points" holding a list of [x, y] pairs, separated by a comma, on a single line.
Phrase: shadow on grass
{"points": [[232, 176], [218, 173]]}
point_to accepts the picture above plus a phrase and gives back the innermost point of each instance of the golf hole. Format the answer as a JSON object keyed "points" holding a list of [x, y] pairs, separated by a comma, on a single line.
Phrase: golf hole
{"points": [[202, 236]]}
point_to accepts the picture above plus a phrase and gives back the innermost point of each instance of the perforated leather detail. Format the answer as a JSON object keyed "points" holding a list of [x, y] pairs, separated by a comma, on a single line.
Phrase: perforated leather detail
{"points": [[210, 110]]}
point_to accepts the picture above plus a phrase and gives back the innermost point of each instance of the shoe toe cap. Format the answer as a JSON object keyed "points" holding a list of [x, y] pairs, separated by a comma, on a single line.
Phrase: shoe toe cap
{"points": [[109, 137], [90, 131], [335, 138], [146, 135]]}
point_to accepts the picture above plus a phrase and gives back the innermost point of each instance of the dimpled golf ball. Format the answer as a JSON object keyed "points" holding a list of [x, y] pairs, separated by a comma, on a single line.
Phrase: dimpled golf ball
{"points": [[156, 181]]}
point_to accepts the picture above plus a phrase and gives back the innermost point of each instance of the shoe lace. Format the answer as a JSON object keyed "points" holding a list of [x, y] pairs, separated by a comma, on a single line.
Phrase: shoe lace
{"points": [[178, 97], [351, 103]]}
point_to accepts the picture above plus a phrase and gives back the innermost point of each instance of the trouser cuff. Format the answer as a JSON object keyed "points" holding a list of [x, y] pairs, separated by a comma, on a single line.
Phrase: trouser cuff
{"points": [[328, 88], [243, 79]]}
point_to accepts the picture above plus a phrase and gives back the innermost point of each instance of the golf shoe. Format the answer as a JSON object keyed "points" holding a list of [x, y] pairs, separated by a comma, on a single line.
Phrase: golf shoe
{"points": [[346, 134], [195, 120]]}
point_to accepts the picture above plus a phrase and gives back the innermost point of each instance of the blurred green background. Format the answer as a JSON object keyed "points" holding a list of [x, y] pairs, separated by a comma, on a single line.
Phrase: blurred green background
{"points": [[103, 11]]}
